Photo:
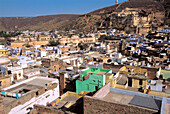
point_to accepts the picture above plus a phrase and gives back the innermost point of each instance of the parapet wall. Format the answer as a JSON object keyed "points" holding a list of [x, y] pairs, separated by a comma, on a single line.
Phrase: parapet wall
{"points": [[103, 91], [20, 44], [97, 106], [1, 105], [27, 97], [39, 109], [20, 101], [132, 93]]}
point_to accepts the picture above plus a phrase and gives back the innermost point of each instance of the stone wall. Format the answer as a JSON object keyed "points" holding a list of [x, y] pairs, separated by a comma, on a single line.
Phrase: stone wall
{"points": [[27, 97], [53, 65], [151, 72], [62, 83], [97, 106], [5, 82], [76, 108], [103, 91], [39, 109], [1, 105], [20, 101], [20, 45]]}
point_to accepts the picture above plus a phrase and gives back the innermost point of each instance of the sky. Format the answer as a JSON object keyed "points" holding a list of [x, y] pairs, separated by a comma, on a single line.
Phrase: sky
{"points": [[30, 8]]}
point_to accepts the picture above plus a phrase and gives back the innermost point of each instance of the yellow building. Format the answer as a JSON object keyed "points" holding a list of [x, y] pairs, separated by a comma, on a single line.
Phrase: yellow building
{"points": [[4, 52], [132, 76], [69, 98], [75, 40]]}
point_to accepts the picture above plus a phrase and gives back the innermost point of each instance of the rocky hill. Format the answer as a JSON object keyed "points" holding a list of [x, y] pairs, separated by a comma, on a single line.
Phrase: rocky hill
{"points": [[132, 15], [35, 23], [156, 12], [166, 4]]}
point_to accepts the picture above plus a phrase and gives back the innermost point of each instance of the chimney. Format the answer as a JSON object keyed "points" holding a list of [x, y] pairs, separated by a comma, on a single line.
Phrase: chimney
{"points": [[116, 1], [61, 83]]}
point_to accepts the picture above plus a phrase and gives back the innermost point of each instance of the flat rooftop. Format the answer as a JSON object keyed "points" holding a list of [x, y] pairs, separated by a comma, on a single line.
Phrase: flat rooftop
{"points": [[27, 86], [66, 100], [118, 98], [31, 84], [133, 98]]}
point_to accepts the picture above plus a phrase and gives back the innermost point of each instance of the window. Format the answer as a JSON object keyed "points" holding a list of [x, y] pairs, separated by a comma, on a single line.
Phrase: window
{"points": [[97, 88], [130, 82], [9, 72], [29, 108], [37, 93], [19, 74], [0, 83], [47, 96], [140, 82], [54, 68]]}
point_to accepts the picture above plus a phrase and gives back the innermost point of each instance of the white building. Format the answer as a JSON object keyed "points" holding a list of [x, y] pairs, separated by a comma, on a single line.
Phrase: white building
{"points": [[15, 73], [22, 96]]}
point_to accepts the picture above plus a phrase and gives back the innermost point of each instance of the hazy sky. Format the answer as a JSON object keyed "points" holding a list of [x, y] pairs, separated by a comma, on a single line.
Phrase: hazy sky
{"points": [[12, 8]]}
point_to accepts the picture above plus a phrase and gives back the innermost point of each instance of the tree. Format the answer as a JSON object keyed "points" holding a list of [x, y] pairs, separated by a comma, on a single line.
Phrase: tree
{"points": [[52, 31], [42, 33], [27, 45], [7, 36], [80, 35], [53, 43], [66, 29], [103, 38], [83, 46]]}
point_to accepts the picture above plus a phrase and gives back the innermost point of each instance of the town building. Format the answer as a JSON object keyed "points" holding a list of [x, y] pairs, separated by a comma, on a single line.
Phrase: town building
{"points": [[69, 102], [92, 79], [20, 97]]}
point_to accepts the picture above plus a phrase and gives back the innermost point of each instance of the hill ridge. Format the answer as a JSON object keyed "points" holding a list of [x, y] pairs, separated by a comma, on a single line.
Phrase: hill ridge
{"points": [[85, 22]]}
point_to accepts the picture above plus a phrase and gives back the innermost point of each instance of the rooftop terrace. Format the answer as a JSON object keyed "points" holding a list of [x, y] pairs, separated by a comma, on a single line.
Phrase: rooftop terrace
{"points": [[118, 98], [93, 79], [96, 71], [27, 86], [136, 99], [67, 100]]}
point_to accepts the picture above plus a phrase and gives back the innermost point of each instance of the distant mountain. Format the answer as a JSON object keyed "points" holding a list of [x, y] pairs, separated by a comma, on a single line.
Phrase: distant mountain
{"points": [[40, 23], [101, 18]]}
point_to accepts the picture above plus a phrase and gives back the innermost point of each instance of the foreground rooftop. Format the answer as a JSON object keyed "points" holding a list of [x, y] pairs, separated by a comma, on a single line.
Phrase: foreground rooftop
{"points": [[27, 86]]}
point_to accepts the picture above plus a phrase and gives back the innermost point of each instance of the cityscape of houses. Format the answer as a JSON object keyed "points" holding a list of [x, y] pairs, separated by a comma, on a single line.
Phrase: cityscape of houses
{"points": [[120, 66], [85, 73]]}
